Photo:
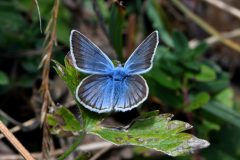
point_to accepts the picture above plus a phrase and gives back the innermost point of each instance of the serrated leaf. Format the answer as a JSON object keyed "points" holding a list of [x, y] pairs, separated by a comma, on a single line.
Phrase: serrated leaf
{"points": [[198, 101], [155, 132], [3, 78]]}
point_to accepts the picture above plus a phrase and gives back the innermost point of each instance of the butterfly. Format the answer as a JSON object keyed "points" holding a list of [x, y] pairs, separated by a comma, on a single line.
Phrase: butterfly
{"points": [[111, 88]]}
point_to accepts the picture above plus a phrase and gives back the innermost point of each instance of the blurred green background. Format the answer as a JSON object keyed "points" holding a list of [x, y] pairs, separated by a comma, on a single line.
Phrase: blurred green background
{"points": [[193, 77]]}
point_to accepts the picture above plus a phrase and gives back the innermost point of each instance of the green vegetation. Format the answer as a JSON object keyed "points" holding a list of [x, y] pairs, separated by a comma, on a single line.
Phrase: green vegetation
{"points": [[185, 81]]}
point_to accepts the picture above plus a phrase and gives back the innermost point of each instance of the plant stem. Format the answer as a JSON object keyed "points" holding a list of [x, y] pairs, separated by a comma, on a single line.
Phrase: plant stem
{"points": [[72, 148], [14, 141], [204, 25]]}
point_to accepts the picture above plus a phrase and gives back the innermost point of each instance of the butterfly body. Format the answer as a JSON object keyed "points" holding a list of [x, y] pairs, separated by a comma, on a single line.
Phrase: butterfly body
{"points": [[118, 74], [109, 87]]}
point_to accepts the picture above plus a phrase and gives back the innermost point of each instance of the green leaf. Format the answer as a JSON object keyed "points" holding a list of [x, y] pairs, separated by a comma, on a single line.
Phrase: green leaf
{"points": [[164, 79], [91, 119], [72, 77], [69, 120], [51, 120], [226, 97], [167, 96], [206, 127], [115, 30], [211, 125], [63, 27], [155, 132], [63, 120], [192, 65], [180, 42], [199, 50], [68, 73], [226, 144], [30, 64], [26, 80], [198, 101], [153, 12], [103, 8], [206, 74], [3, 78], [222, 112], [214, 86]]}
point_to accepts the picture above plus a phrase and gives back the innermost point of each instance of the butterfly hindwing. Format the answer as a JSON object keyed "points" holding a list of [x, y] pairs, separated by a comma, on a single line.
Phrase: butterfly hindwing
{"points": [[95, 93], [129, 93], [87, 57], [142, 58], [100, 93]]}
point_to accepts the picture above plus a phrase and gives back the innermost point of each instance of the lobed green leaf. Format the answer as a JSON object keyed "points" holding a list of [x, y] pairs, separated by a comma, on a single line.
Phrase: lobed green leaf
{"points": [[157, 132]]}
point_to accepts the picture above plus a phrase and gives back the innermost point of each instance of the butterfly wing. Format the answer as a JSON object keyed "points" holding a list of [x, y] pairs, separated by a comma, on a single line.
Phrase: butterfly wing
{"points": [[87, 57], [95, 93], [129, 93], [142, 58], [99, 93]]}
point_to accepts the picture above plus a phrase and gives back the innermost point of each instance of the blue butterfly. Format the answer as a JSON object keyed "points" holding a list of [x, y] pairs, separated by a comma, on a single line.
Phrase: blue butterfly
{"points": [[110, 88]]}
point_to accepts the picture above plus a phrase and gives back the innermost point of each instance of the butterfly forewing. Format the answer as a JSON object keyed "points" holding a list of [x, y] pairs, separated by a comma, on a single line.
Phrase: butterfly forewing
{"points": [[87, 57], [142, 58]]}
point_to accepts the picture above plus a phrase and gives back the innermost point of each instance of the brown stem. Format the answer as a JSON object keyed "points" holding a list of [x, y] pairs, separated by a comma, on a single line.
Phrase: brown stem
{"points": [[14, 141]]}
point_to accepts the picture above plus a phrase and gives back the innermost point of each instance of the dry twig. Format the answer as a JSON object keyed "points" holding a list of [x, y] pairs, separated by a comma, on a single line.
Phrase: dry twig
{"points": [[18, 128], [213, 39], [39, 15], [51, 40], [13, 140], [225, 7], [101, 152], [83, 148], [204, 25]]}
